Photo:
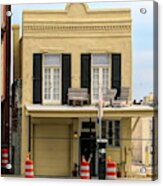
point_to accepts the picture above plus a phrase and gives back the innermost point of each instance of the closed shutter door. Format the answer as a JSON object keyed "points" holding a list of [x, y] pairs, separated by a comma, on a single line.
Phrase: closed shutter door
{"points": [[52, 150], [66, 76], [37, 78], [116, 73], [86, 71]]}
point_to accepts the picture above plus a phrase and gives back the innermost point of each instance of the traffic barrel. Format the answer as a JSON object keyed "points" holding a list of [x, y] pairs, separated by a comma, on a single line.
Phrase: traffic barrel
{"points": [[85, 170], [111, 170], [5, 157], [29, 168]]}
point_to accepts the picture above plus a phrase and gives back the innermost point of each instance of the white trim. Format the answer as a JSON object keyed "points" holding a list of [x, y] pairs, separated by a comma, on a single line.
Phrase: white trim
{"points": [[40, 107], [100, 67], [51, 67]]}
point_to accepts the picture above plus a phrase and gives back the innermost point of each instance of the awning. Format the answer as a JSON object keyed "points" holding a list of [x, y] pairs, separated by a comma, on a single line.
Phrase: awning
{"points": [[66, 111]]}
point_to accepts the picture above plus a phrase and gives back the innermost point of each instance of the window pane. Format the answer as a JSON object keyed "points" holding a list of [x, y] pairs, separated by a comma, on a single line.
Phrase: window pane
{"points": [[100, 59], [52, 60], [110, 133], [114, 133], [117, 133], [117, 124], [95, 83], [47, 84], [56, 82], [117, 143], [52, 67], [105, 83], [100, 63]]}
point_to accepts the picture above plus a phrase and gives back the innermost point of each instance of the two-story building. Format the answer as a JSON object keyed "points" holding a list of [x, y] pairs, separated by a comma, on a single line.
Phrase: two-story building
{"points": [[74, 48]]}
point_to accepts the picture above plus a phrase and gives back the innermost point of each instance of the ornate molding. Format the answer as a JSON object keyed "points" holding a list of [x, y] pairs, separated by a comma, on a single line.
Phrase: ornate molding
{"points": [[77, 28]]}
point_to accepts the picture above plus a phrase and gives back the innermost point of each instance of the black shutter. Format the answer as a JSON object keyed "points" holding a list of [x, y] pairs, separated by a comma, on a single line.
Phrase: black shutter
{"points": [[86, 71], [116, 73], [66, 76], [37, 78]]}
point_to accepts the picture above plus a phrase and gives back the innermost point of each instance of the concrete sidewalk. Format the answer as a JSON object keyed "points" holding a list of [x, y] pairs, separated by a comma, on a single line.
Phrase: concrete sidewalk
{"points": [[93, 178]]}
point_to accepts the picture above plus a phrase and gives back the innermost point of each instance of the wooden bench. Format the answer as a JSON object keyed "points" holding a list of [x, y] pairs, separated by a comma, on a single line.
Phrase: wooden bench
{"points": [[78, 95], [123, 100]]}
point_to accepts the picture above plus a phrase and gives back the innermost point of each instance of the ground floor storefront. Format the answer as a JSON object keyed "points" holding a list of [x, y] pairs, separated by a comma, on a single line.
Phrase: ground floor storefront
{"points": [[57, 138]]}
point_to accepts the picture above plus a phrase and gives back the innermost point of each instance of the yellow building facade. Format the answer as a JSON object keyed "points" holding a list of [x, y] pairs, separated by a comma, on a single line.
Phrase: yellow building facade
{"points": [[51, 129]]}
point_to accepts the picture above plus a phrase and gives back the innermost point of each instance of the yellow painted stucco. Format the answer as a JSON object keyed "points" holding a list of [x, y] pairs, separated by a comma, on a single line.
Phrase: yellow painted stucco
{"points": [[75, 30]]}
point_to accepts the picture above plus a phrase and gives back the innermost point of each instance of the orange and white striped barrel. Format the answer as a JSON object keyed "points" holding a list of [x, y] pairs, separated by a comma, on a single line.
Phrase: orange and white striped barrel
{"points": [[5, 157], [29, 169], [111, 171], [85, 170]]}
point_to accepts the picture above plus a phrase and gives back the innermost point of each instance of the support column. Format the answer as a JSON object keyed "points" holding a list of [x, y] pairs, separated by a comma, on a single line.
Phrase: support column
{"points": [[75, 143]]}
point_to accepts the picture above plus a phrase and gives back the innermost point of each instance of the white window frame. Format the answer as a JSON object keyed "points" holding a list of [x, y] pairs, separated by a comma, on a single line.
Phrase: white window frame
{"points": [[113, 130], [94, 101], [52, 101]]}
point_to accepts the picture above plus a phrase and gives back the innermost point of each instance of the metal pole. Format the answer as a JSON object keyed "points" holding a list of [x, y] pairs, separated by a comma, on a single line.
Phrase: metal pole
{"points": [[29, 135], [101, 142], [100, 123], [100, 111]]}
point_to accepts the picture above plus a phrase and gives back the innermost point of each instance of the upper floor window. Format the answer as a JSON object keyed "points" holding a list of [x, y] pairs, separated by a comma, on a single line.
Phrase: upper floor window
{"points": [[52, 78], [100, 75]]}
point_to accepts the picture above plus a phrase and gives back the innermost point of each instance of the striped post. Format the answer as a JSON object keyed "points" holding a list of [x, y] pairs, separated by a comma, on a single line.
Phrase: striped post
{"points": [[29, 170], [85, 170], [111, 171], [5, 157]]}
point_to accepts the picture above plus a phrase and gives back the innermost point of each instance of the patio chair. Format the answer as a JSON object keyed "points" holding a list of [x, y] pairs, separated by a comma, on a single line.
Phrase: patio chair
{"points": [[109, 96], [123, 100]]}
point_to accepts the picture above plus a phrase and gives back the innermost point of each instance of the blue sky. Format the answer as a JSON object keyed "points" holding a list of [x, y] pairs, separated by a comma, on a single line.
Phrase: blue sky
{"points": [[142, 37]]}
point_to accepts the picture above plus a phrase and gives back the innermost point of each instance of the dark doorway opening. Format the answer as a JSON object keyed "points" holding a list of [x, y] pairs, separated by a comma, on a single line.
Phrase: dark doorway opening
{"points": [[88, 149]]}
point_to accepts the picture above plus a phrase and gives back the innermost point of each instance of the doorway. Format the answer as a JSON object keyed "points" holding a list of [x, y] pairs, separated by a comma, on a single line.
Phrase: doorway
{"points": [[88, 147]]}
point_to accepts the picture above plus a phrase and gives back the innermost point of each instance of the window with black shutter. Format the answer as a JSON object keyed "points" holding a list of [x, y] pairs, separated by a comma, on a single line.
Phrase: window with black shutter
{"points": [[116, 73], [52, 78], [37, 78], [100, 75]]}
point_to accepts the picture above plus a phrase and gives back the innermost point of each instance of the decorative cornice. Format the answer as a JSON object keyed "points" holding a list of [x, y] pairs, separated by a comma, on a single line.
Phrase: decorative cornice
{"points": [[72, 28], [89, 35]]}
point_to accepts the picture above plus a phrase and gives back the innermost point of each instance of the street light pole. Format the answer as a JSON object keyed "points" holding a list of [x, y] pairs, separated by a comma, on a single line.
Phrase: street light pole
{"points": [[101, 142]]}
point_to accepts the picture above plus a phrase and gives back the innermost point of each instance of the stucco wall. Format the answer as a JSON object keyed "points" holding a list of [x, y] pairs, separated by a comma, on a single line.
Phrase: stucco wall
{"points": [[122, 155], [74, 30]]}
